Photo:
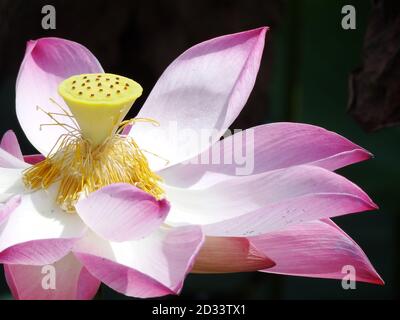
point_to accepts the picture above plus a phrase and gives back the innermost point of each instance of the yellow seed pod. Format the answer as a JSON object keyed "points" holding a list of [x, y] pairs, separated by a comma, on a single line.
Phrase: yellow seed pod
{"points": [[99, 102]]}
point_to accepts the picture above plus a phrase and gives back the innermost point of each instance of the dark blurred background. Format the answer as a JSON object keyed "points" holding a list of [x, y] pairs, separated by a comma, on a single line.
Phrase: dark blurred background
{"points": [[313, 71]]}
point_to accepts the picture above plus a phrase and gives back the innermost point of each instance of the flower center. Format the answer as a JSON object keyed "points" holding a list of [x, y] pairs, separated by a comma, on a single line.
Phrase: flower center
{"points": [[99, 102], [95, 154]]}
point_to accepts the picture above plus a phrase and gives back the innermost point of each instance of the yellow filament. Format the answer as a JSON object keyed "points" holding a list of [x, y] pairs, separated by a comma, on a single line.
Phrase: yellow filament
{"points": [[81, 168]]}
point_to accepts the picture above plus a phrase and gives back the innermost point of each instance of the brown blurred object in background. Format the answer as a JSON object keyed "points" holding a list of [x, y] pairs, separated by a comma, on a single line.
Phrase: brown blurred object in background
{"points": [[375, 86]]}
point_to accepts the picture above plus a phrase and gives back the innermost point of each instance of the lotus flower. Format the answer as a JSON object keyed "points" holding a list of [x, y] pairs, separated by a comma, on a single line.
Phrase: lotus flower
{"points": [[109, 201]]}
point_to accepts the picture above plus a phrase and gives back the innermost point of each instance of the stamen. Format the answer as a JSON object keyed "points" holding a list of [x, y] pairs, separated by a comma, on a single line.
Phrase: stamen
{"points": [[64, 113], [156, 155], [65, 126], [80, 168], [126, 123]]}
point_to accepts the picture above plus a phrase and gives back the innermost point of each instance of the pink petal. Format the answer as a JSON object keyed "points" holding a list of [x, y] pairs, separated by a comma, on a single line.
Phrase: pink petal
{"points": [[278, 216], [204, 89], [9, 143], [34, 158], [47, 62], [88, 285], [268, 147], [150, 267], [122, 212], [7, 208], [72, 281], [317, 249], [273, 199], [38, 232], [226, 255]]}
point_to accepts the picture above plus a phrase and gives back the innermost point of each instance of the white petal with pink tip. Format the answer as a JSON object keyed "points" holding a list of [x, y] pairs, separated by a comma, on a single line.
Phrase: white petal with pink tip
{"points": [[315, 249], [38, 231], [272, 200], [47, 62], [150, 267], [122, 212], [71, 281], [266, 148], [203, 90]]}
